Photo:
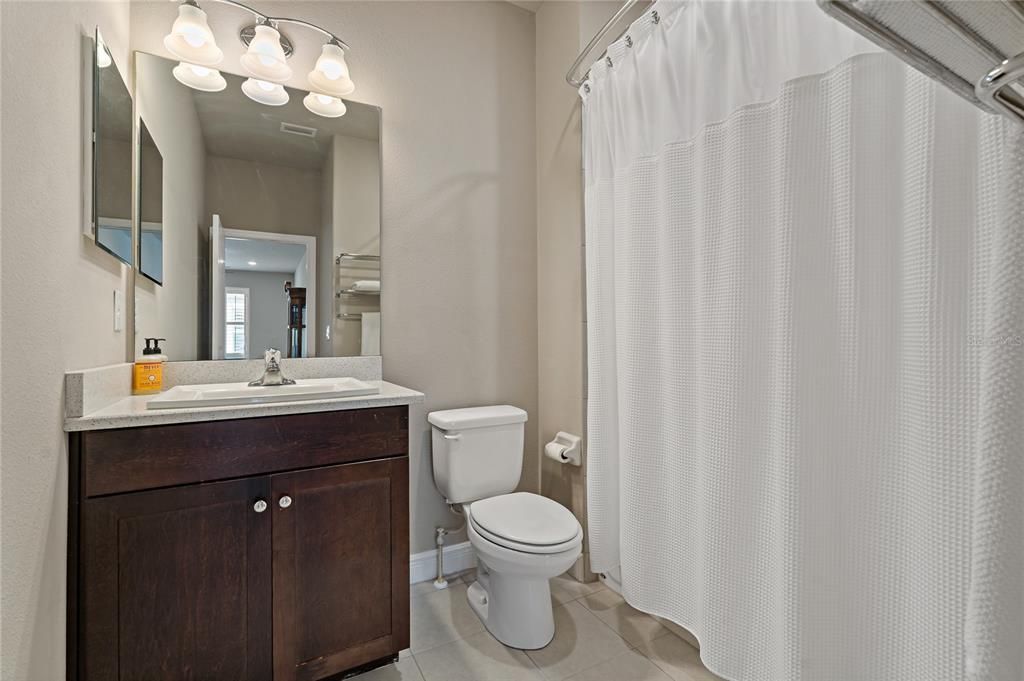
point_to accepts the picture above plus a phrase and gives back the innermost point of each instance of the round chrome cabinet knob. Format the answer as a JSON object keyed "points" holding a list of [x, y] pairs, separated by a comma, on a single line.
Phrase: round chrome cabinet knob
{"points": [[260, 506], [285, 501]]}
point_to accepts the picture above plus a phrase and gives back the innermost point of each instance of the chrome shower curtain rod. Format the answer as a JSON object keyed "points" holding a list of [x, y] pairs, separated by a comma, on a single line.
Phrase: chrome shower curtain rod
{"points": [[576, 81]]}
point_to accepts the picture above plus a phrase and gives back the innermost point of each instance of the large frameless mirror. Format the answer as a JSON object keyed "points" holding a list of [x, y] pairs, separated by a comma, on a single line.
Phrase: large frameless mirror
{"points": [[111, 155], [269, 220]]}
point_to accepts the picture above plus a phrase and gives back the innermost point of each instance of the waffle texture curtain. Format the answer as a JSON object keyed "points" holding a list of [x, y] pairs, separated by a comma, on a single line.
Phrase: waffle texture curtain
{"points": [[806, 350]]}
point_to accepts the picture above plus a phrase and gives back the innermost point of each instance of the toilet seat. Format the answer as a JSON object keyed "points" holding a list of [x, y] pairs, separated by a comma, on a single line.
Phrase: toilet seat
{"points": [[525, 522]]}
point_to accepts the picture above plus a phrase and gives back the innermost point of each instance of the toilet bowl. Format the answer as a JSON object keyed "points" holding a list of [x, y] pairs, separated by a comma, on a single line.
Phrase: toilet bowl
{"points": [[517, 557], [521, 540]]}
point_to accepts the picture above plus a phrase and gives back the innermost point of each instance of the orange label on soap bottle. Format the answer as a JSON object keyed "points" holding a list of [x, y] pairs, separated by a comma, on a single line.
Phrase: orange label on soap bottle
{"points": [[148, 377]]}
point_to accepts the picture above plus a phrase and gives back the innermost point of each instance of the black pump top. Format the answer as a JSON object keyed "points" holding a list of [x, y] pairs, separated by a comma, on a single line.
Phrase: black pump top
{"points": [[155, 349]]}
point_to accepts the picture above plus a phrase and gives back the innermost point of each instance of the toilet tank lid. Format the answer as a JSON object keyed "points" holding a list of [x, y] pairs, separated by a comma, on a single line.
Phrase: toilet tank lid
{"points": [[476, 417]]}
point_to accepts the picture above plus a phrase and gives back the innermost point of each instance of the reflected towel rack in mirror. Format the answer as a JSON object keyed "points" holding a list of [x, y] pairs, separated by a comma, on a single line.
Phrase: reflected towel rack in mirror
{"points": [[351, 316], [355, 256], [354, 292]]}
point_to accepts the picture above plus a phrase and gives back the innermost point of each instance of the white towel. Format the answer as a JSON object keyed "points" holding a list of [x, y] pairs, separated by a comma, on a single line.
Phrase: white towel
{"points": [[371, 334], [366, 285]]}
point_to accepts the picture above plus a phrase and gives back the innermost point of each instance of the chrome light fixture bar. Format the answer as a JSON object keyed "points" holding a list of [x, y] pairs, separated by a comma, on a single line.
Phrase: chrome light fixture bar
{"points": [[267, 50]]}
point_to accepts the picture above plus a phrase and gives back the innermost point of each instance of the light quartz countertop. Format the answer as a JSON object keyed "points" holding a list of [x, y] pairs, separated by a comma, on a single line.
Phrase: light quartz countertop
{"points": [[131, 412]]}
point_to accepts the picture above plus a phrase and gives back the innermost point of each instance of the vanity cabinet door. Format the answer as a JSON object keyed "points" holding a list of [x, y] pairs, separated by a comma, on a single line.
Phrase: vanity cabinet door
{"points": [[341, 567], [176, 584]]}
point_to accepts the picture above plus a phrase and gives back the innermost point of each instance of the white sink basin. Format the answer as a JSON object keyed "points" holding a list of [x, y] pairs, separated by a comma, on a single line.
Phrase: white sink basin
{"points": [[226, 394]]}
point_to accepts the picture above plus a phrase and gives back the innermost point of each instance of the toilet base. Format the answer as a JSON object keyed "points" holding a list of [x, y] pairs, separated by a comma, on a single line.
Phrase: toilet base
{"points": [[521, 616], [512, 592]]}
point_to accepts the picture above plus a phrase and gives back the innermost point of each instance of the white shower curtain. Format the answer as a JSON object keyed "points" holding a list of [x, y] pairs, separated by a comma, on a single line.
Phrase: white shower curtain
{"points": [[804, 291]]}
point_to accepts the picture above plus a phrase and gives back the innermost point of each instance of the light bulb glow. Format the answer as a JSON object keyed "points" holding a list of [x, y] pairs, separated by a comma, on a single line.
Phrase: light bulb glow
{"points": [[331, 76], [324, 105], [331, 69], [270, 94], [199, 77], [194, 37], [191, 39], [265, 60]]}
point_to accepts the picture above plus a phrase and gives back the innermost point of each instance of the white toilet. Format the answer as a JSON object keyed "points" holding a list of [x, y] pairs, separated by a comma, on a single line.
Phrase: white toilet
{"points": [[521, 540]]}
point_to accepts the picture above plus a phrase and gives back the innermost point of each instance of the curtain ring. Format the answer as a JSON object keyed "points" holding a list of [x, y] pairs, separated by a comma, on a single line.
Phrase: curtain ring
{"points": [[629, 41], [608, 61], [586, 88], [654, 16]]}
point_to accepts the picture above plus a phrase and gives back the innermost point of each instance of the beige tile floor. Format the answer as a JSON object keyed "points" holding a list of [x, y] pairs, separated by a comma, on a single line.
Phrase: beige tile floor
{"points": [[598, 637]]}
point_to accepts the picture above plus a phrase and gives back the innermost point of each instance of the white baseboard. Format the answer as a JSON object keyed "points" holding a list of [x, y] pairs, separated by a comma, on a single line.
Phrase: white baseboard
{"points": [[457, 558]]}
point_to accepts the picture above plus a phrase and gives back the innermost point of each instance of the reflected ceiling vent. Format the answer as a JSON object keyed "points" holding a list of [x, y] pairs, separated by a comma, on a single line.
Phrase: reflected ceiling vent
{"points": [[300, 130]]}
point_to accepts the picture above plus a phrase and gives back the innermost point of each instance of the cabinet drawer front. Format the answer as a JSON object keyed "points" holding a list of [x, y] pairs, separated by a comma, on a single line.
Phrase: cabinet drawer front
{"points": [[133, 459]]}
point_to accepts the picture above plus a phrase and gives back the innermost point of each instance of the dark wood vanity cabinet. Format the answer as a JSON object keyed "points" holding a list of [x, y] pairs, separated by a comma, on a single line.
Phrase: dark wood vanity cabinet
{"points": [[257, 549]]}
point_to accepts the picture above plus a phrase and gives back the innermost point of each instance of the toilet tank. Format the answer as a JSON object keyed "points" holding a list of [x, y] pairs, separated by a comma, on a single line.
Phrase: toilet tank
{"points": [[477, 452]]}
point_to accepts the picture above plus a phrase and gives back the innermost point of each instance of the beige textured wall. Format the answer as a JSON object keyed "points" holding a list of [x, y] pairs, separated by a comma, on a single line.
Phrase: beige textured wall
{"points": [[264, 197], [57, 289], [560, 330], [455, 81], [325, 271], [563, 30], [356, 220]]}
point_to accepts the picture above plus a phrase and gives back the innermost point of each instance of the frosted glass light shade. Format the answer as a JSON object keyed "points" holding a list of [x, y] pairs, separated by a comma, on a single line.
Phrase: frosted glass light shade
{"points": [[324, 105], [271, 94], [330, 76], [191, 39], [199, 77], [265, 60]]}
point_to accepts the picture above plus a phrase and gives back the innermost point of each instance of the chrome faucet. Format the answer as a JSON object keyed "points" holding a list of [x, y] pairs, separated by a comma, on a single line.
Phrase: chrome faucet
{"points": [[272, 373]]}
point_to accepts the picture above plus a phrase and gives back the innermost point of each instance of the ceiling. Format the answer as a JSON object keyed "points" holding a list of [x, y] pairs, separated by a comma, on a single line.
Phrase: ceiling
{"points": [[269, 256], [234, 126]]}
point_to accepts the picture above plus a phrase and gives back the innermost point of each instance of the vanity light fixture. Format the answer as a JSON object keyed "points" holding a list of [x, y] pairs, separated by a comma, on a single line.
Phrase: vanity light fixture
{"points": [[330, 76], [324, 105], [271, 94], [191, 39], [265, 58], [200, 78]]}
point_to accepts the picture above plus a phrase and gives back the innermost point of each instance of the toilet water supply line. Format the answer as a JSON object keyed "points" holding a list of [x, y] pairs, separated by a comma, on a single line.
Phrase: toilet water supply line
{"points": [[439, 534]]}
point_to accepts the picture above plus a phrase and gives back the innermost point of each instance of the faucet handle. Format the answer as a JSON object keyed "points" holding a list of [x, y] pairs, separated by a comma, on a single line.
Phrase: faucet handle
{"points": [[272, 357]]}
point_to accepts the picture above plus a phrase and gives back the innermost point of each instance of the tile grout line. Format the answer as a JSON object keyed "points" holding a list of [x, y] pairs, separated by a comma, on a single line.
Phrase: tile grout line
{"points": [[596, 664], [418, 667]]}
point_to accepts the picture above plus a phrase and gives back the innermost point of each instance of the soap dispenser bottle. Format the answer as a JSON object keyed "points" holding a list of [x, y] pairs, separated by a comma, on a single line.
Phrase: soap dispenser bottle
{"points": [[148, 371]]}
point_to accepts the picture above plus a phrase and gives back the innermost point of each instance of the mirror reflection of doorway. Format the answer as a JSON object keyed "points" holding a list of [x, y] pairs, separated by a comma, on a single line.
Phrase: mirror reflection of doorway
{"points": [[256, 280]]}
